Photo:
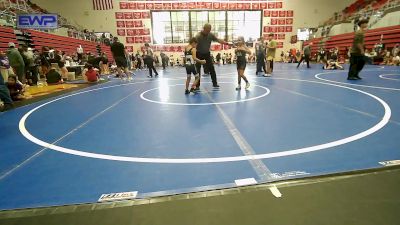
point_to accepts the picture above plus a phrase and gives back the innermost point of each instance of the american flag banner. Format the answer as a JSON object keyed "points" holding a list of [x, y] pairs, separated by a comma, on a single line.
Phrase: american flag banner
{"points": [[103, 4]]}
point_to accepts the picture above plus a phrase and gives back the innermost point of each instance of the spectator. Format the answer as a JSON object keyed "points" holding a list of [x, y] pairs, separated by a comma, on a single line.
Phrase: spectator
{"points": [[91, 74], [53, 77], [5, 96], [395, 50], [45, 60], [16, 62], [15, 88], [31, 68], [5, 68], [149, 60]]}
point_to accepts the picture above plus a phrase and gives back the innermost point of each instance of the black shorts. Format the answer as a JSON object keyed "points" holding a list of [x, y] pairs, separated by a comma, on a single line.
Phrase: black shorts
{"points": [[121, 61], [191, 69], [240, 65]]}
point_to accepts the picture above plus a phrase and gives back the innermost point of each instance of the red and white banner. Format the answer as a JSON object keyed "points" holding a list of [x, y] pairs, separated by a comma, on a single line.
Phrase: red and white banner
{"points": [[289, 13], [146, 39], [289, 29], [130, 40], [267, 13], [121, 32], [141, 5], [149, 6], [255, 6], [278, 5], [263, 5], [274, 13], [129, 23], [119, 15], [138, 39], [271, 5], [145, 15], [120, 23], [137, 15], [129, 48], [167, 6], [282, 13], [132, 5], [123, 5], [281, 29], [289, 21], [138, 23], [128, 15]]}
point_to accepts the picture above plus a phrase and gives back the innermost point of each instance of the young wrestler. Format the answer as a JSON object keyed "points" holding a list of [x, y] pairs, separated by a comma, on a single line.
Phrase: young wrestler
{"points": [[190, 64], [241, 52]]}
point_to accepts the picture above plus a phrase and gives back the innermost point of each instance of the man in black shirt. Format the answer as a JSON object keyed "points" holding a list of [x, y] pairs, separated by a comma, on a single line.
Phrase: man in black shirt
{"points": [[204, 39], [118, 51]]}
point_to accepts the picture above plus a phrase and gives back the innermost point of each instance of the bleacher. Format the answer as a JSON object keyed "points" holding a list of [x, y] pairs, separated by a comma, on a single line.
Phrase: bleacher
{"points": [[391, 36], [40, 39], [6, 35]]}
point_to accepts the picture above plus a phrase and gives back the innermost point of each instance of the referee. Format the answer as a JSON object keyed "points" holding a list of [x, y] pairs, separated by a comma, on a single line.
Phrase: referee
{"points": [[204, 39]]}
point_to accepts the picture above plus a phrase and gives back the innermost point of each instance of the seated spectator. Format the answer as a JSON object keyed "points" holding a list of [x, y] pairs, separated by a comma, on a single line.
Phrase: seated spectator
{"points": [[396, 60], [53, 77], [15, 88], [5, 68], [91, 74], [4, 96]]}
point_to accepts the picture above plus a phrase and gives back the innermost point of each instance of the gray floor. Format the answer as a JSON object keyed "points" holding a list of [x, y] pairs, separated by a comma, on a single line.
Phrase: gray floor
{"points": [[371, 197]]}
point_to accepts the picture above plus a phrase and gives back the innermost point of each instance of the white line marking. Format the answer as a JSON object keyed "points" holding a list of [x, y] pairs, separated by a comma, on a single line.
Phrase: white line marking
{"points": [[274, 190], [202, 104], [259, 167], [66, 135], [389, 74], [385, 119], [358, 85]]}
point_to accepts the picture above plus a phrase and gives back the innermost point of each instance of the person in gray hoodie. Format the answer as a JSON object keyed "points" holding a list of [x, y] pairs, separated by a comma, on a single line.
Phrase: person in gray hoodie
{"points": [[16, 62]]}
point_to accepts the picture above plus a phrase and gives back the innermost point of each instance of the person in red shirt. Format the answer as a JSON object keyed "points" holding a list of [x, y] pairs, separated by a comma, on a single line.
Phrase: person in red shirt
{"points": [[91, 74]]}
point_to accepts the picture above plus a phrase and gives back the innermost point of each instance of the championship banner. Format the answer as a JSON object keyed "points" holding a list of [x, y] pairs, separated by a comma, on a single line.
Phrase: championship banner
{"points": [[289, 21], [167, 6], [123, 5], [282, 13], [130, 32], [119, 15], [138, 39], [129, 24], [128, 15], [141, 6], [129, 48], [232, 6], [289, 13], [130, 40], [278, 5], [263, 5], [158, 6], [145, 15], [255, 6], [137, 15], [271, 5], [149, 6], [120, 23], [120, 32], [289, 29], [267, 13], [146, 39], [138, 23], [132, 5], [274, 13]]}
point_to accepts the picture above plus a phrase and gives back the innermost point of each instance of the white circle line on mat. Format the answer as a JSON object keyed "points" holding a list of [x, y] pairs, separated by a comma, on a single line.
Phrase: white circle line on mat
{"points": [[383, 76], [351, 84], [385, 119], [203, 104]]}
